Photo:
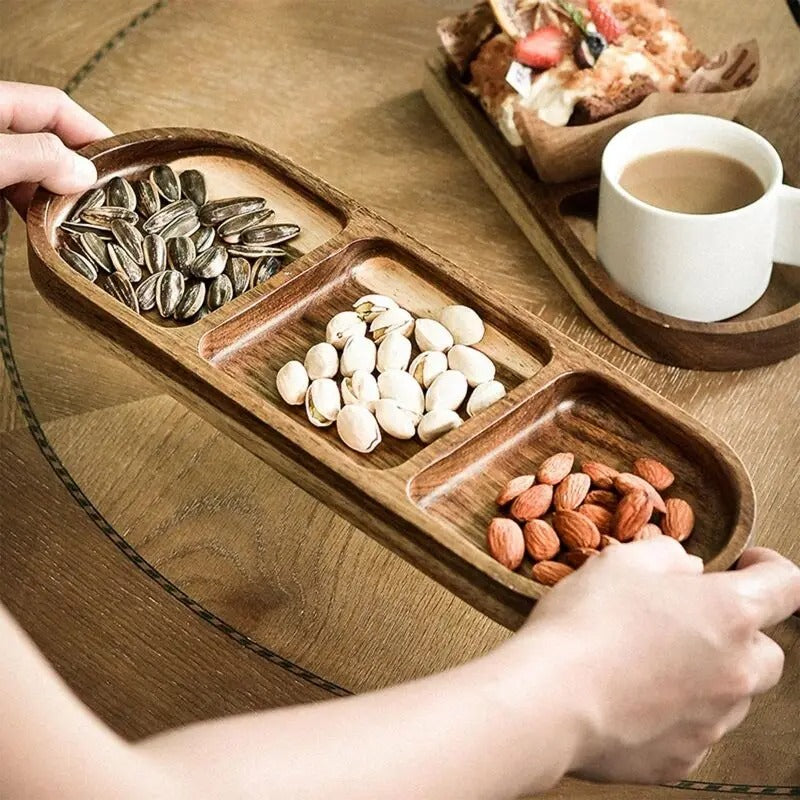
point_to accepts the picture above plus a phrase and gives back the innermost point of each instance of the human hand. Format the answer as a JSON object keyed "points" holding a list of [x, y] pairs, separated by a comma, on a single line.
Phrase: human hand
{"points": [[38, 126], [665, 660]]}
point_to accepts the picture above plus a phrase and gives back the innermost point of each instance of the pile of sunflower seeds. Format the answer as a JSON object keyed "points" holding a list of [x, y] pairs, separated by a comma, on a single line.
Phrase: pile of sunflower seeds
{"points": [[157, 244]]}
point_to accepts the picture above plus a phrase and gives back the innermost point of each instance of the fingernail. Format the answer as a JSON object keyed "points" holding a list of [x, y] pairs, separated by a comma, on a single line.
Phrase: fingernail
{"points": [[84, 170]]}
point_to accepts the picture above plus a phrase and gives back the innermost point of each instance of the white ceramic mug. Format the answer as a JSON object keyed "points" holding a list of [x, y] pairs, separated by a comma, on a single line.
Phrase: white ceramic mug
{"points": [[702, 267]]}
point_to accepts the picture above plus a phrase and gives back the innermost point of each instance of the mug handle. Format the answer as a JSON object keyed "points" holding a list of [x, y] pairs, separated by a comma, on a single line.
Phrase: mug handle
{"points": [[787, 234]]}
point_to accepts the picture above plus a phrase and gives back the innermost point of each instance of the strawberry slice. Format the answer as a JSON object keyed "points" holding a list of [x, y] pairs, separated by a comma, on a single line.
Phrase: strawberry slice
{"points": [[542, 48], [605, 21]]}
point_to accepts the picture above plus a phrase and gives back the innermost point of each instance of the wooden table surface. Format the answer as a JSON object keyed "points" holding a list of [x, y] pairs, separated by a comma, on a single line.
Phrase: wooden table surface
{"points": [[171, 576]]}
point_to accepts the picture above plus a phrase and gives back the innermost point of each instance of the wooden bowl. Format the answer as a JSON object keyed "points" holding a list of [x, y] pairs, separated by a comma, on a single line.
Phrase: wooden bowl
{"points": [[560, 222], [430, 504]]}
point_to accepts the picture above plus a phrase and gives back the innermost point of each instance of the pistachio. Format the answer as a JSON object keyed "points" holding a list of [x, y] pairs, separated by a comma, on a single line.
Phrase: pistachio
{"points": [[394, 320], [476, 367], [437, 423], [432, 335], [358, 429], [322, 361], [292, 383], [447, 391], [463, 323], [358, 354], [394, 352], [342, 327], [427, 366], [360, 388], [322, 402], [483, 396], [394, 384], [369, 306], [399, 422]]}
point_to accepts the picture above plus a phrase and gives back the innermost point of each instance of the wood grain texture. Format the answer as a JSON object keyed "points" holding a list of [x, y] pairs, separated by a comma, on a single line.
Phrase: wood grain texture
{"points": [[215, 519], [249, 339], [559, 220]]}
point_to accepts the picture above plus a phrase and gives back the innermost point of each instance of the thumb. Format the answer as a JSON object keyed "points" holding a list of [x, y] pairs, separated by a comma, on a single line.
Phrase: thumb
{"points": [[43, 158]]}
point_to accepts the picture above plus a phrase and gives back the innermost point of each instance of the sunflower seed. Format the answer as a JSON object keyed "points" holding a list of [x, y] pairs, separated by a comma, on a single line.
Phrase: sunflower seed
{"points": [[192, 301], [154, 249], [122, 262], [82, 227], [91, 199], [79, 263], [264, 269], [255, 250], [238, 271], [270, 234], [219, 210], [193, 185], [129, 238], [180, 253], [203, 238], [185, 225], [220, 291], [95, 248], [148, 200], [120, 288], [169, 213], [166, 182], [211, 263], [146, 292], [103, 216], [120, 193], [231, 230], [169, 291]]}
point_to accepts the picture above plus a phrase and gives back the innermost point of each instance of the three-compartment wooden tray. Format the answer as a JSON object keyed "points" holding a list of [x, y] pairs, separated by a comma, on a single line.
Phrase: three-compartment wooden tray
{"points": [[430, 504], [559, 221]]}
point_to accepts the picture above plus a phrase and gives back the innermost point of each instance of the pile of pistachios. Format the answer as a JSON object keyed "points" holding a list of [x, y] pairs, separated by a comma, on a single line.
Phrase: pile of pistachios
{"points": [[366, 378]]}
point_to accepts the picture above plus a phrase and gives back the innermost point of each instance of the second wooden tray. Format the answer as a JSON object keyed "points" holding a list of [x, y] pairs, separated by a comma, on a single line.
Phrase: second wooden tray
{"points": [[430, 504], [559, 221]]}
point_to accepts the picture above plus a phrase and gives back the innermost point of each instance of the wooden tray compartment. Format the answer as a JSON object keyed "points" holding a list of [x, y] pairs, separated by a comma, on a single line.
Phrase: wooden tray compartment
{"points": [[284, 324], [428, 503], [230, 170], [596, 419], [767, 332]]}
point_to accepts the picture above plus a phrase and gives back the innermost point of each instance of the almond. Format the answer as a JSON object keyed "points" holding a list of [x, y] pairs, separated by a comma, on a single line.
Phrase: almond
{"points": [[576, 530], [605, 541], [514, 488], [601, 474], [506, 542], [532, 503], [541, 541], [550, 572], [602, 497], [555, 468], [572, 491], [577, 558], [654, 472], [649, 531], [602, 517], [678, 521], [633, 512], [626, 482]]}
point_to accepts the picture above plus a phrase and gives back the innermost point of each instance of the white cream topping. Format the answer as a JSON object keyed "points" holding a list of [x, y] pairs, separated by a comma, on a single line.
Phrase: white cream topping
{"points": [[505, 121]]}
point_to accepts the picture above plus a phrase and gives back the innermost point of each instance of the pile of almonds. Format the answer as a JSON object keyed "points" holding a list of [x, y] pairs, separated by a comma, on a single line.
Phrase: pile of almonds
{"points": [[591, 509]]}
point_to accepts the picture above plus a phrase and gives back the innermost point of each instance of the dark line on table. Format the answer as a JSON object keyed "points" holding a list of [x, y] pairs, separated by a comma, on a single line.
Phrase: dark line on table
{"points": [[130, 552]]}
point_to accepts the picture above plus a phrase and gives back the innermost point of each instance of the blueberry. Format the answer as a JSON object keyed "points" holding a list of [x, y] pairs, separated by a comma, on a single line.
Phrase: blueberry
{"points": [[596, 43]]}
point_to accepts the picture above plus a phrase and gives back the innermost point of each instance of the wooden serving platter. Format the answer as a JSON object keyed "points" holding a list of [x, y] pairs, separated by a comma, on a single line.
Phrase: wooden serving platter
{"points": [[559, 220], [430, 504]]}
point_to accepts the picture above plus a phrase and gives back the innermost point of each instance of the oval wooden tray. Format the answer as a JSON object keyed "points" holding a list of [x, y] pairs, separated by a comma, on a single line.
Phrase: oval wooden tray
{"points": [[559, 220], [430, 504]]}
